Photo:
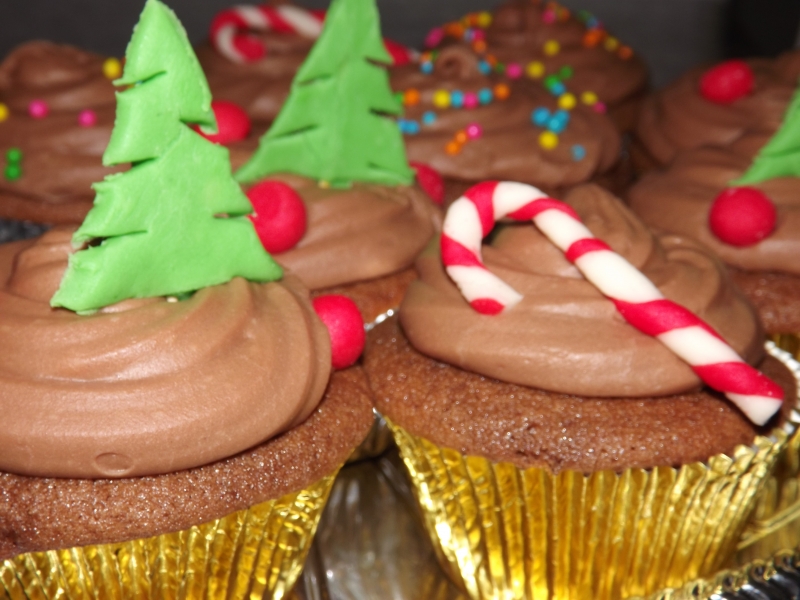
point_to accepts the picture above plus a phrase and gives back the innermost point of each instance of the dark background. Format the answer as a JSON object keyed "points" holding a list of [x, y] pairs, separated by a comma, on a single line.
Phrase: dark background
{"points": [[672, 35]]}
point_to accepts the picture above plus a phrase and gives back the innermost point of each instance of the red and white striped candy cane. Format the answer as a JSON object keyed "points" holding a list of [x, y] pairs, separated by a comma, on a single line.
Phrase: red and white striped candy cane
{"points": [[229, 31], [229, 28], [470, 218]]}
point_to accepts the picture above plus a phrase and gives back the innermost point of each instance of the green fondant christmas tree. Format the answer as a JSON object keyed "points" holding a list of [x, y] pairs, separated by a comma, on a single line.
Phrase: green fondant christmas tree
{"points": [[334, 126], [780, 157], [175, 222]]}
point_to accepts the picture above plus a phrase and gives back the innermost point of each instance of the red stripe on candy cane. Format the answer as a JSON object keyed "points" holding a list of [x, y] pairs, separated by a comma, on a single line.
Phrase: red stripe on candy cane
{"points": [[638, 301]]}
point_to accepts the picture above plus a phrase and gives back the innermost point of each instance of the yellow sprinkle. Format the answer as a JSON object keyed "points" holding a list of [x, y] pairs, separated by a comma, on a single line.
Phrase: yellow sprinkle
{"points": [[611, 44], [3, 112], [589, 98], [112, 68], [324, 184], [551, 47], [548, 140], [535, 69], [484, 19], [441, 99], [567, 101]]}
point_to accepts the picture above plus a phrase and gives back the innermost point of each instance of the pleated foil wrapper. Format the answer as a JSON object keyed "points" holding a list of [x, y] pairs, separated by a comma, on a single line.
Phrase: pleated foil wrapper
{"points": [[775, 524], [255, 553], [501, 532]]}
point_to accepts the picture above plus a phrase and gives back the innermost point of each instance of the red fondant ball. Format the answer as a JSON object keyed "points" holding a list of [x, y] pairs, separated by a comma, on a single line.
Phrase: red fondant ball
{"points": [[742, 216], [233, 124], [430, 181], [727, 82], [280, 215], [401, 56], [345, 326]]}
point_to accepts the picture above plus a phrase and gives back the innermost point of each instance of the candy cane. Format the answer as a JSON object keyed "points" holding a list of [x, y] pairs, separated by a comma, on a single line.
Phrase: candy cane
{"points": [[229, 31], [470, 218]]}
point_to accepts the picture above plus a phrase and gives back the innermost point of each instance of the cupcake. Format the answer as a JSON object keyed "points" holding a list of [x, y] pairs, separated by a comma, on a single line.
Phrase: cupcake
{"points": [[714, 106], [469, 124], [334, 151], [555, 450], [57, 105], [171, 419], [535, 43]]}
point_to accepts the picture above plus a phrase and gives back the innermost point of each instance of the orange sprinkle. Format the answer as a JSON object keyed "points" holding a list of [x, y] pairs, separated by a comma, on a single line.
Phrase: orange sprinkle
{"points": [[564, 14], [461, 137], [501, 91], [455, 30], [411, 97], [593, 37], [490, 58], [479, 46], [625, 52], [453, 148]]}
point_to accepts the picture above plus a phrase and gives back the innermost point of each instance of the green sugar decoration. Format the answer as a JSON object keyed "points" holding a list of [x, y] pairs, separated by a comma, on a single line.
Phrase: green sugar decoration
{"points": [[176, 221], [335, 125], [780, 156]]}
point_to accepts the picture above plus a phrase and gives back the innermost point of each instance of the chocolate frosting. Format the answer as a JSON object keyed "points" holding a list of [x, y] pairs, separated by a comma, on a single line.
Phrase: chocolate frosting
{"points": [[61, 159], [358, 234], [518, 34], [564, 336], [679, 118], [149, 386], [679, 198], [509, 145]]}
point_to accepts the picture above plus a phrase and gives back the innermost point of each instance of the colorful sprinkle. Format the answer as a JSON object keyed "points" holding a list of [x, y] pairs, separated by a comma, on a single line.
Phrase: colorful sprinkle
{"points": [[411, 97], [589, 98], [485, 96], [479, 46], [429, 118], [548, 140], [625, 52], [551, 47], [566, 72], [38, 109], [558, 122], [452, 148], [441, 99], [87, 118], [611, 44], [540, 116], [514, 70], [471, 100], [567, 101], [112, 68], [474, 131], [593, 37], [549, 16], [535, 69], [13, 172], [502, 91], [557, 88], [599, 107], [484, 67], [3, 112], [457, 99], [484, 19], [434, 37], [461, 137], [426, 68], [14, 155], [578, 152]]}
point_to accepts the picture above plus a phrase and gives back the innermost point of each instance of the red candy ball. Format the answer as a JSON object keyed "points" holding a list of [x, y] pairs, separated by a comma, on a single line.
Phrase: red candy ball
{"points": [[430, 181], [742, 216], [280, 215], [345, 326], [401, 56], [233, 124], [727, 82]]}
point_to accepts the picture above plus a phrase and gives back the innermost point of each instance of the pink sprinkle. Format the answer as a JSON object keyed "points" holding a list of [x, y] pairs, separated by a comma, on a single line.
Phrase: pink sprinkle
{"points": [[478, 34], [434, 36], [549, 16], [470, 100], [474, 131], [87, 118], [599, 107], [38, 109], [514, 70]]}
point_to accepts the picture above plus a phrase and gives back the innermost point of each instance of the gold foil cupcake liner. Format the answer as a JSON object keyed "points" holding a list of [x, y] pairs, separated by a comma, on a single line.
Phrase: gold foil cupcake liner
{"points": [[510, 533], [254, 553]]}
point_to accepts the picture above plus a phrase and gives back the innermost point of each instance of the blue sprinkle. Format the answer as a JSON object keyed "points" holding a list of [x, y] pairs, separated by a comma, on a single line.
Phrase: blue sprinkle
{"points": [[592, 23], [426, 67], [469, 35], [429, 118], [557, 89], [412, 128], [457, 99], [484, 67], [540, 116], [485, 96], [562, 115], [578, 152]]}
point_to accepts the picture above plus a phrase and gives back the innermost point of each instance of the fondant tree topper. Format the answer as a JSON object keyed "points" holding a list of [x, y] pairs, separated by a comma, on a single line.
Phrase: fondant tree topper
{"points": [[780, 156], [335, 125], [176, 221]]}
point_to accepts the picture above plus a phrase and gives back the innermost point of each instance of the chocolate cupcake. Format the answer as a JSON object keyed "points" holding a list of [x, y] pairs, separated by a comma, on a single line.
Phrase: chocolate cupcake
{"points": [[470, 125], [533, 42], [714, 106], [171, 422], [59, 104], [555, 449]]}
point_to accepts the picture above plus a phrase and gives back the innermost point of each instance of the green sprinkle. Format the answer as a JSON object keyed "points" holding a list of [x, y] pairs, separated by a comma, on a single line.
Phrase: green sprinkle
{"points": [[13, 172], [14, 155], [566, 72]]}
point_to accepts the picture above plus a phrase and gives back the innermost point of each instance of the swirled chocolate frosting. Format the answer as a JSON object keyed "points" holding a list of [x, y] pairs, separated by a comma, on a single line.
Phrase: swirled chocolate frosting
{"points": [[679, 118], [358, 234], [60, 158], [509, 145], [148, 386], [564, 336]]}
